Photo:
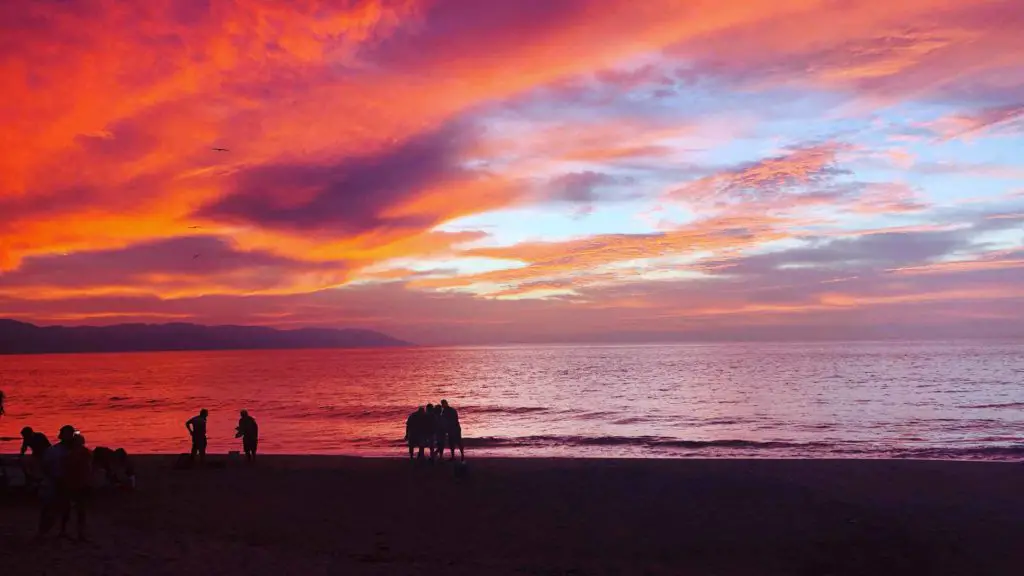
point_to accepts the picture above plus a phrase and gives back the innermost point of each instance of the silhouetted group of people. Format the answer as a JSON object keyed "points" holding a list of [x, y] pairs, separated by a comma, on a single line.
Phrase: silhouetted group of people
{"points": [[62, 474], [247, 430], [432, 428], [115, 463]]}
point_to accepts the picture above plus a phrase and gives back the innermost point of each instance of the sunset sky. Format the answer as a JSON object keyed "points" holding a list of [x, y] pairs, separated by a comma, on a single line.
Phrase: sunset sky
{"points": [[471, 171]]}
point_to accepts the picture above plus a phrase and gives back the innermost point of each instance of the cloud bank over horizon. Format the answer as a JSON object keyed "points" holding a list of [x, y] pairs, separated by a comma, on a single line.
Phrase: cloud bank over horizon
{"points": [[455, 171]]}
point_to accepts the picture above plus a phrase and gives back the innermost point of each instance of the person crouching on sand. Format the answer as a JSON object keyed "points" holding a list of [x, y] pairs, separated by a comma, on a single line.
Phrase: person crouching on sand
{"points": [[196, 427], [33, 466], [249, 432], [114, 464]]}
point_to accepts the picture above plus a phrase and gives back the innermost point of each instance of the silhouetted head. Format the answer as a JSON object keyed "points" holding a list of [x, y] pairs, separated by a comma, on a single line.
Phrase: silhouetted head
{"points": [[430, 407], [27, 431], [420, 410], [67, 433], [121, 454], [204, 413], [444, 403], [78, 440], [245, 413]]}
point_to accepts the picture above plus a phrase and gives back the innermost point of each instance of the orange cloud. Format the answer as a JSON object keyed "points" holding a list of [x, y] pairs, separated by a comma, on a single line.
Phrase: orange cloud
{"points": [[119, 127], [355, 129], [580, 262]]}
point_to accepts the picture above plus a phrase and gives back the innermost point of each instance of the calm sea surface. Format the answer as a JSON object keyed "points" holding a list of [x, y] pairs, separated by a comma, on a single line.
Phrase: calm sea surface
{"points": [[923, 400]]}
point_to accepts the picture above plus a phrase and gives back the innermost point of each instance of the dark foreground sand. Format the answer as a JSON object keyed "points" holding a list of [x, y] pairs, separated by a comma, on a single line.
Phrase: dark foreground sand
{"points": [[323, 515]]}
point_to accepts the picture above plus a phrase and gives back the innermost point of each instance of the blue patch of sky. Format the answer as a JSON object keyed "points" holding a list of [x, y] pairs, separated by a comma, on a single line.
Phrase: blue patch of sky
{"points": [[788, 117], [555, 222]]}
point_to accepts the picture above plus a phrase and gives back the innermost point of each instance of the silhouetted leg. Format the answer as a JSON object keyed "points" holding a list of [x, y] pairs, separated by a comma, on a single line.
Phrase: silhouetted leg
{"points": [[65, 517], [202, 452], [457, 441], [412, 452], [195, 449], [52, 505], [46, 519], [80, 505]]}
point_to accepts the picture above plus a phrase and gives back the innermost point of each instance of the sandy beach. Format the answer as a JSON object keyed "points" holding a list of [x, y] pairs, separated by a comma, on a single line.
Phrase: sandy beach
{"points": [[334, 515]]}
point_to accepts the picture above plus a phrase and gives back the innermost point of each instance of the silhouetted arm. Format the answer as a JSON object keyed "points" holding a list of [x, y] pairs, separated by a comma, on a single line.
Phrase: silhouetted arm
{"points": [[24, 448], [188, 426]]}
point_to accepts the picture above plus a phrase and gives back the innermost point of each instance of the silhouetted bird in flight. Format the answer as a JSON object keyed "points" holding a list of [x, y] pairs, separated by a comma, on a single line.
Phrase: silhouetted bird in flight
{"points": [[194, 227], [220, 149], [195, 256]]}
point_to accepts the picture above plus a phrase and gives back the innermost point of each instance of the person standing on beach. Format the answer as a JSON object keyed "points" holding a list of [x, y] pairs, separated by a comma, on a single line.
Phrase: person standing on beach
{"points": [[196, 427], [54, 493], [430, 430], [440, 432], [414, 432], [450, 416], [77, 485], [249, 432], [1, 402]]}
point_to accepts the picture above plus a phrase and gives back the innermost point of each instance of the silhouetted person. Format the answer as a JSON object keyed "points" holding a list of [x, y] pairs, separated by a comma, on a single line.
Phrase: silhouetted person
{"points": [[414, 432], [1, 402], [77, 485], [114, 463], [430, 430], [33, 466], [54, 492], [196, 427], [249, 432], [453, 428], [440, 432]]}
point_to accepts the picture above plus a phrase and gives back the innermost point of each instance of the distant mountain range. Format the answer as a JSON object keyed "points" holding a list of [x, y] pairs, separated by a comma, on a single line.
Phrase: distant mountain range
{"points": [[23, 338]]}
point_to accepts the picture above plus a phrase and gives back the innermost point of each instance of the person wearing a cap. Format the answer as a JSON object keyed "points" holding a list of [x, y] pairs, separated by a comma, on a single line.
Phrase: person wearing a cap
{"points": [[53, 492]]}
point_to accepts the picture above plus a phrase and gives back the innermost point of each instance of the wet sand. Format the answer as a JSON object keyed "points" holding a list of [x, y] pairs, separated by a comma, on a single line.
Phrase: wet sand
{"points": [[333, 515]]}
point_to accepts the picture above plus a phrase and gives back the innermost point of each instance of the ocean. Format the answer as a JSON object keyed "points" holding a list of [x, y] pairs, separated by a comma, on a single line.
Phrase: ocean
{"points": [[958, 400]]}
